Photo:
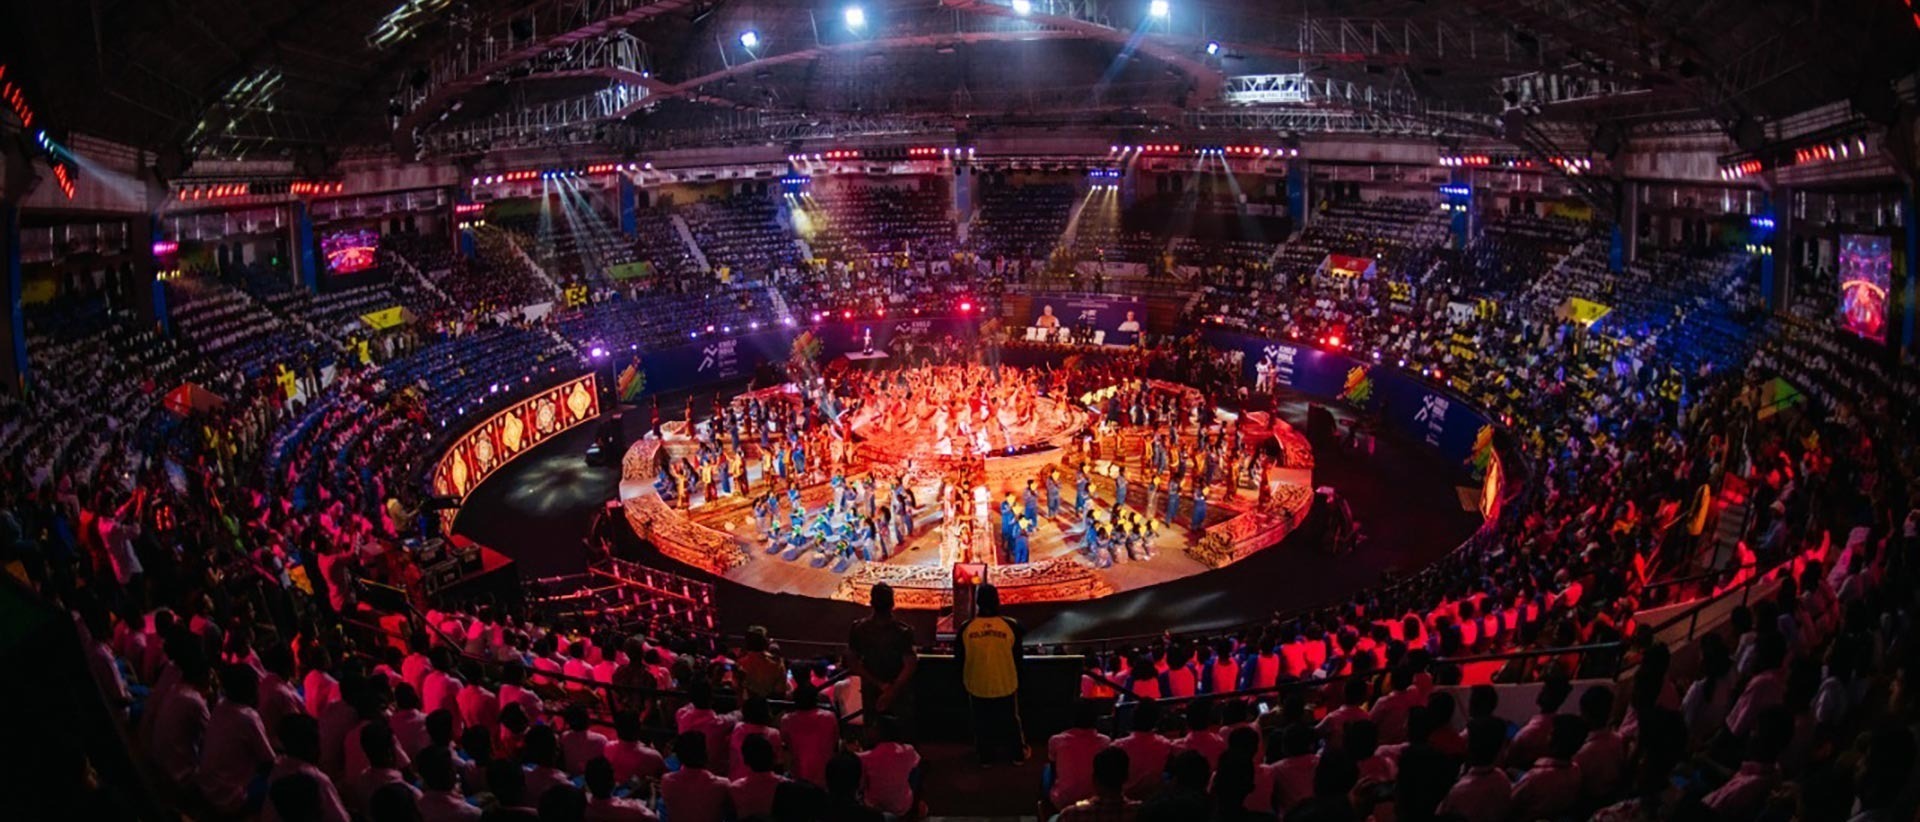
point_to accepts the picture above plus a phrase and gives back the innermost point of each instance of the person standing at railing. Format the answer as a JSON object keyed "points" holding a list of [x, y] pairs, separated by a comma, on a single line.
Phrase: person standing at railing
{"points": [[883, 657], [989, 654]]}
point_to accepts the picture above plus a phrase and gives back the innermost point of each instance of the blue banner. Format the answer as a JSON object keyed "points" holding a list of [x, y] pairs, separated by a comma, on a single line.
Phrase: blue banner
{"points": [[1414, 407], [719, 360]]}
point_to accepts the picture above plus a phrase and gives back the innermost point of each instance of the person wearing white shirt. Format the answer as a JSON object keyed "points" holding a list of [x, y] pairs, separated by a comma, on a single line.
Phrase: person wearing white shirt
{"points": [[441, 800], [580, 744], [409, 722], [812, 734], [752, 794], [1071, 753], [300, 745], [756, 720], [180, 728], [415, 666], [1147, 751], [887, 771], [603, 806], [631, 758], [693, 793], [278, 699], [236, 747], [104, 666], [439, 688], [377, 745]]}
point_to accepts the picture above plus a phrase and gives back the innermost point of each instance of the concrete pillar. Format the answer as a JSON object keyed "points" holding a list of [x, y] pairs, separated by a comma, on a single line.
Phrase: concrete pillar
{"points": [[629, 206], [1625, 248], [306, 255], [149, 294], [1298, 204], [1776, 268]]}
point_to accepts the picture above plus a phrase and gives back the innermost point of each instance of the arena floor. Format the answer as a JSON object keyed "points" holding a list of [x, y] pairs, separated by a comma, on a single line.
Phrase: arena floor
{"points": [[538, 509]]}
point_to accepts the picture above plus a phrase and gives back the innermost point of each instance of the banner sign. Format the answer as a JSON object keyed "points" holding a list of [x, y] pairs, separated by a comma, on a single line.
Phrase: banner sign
{"points": [[638, 270], [385, 318], [1120, 316], [510, 433], [1341, 265], [1583, 311], [1430, 413], [718, 360]]}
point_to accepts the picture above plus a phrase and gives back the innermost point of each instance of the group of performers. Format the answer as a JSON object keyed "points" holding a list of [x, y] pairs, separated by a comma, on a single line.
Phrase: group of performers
{"points": [[963, 410], [869, 511]]}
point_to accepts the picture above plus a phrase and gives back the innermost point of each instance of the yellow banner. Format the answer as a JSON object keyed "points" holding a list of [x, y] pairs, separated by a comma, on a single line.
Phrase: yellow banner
{"points": [[385, 318], [1584, 312]]}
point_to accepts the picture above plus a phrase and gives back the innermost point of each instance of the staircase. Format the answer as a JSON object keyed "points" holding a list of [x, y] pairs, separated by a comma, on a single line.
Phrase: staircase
{"points": [[425, 281], [513, 242], [779, 303], [681, 228], [1732, 505]]}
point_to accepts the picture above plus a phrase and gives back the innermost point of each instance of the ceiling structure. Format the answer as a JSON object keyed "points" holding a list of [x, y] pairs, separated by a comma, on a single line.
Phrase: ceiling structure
{"points": [[309, 78]]}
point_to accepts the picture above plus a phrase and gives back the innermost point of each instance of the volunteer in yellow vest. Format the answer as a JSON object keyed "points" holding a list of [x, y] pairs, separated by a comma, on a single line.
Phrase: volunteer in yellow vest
{"points": [[990, 657]]}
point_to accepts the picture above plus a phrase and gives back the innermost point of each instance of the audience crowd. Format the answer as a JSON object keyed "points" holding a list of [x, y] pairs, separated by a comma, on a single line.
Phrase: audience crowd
{"points": [[209, 555]]}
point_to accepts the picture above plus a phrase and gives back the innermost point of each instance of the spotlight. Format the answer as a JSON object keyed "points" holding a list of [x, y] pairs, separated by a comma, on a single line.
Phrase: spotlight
{"points": [[856, 17], [750, 39], [1159, 8], [1213, 48], [1023, 7]]}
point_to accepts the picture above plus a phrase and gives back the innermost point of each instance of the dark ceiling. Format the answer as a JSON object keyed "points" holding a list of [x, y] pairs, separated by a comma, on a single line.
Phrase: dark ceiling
{"points": [[261, 78]]}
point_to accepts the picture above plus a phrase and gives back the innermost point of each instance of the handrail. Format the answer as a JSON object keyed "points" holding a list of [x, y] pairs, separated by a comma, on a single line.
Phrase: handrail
{"points": [[1294, 684]]}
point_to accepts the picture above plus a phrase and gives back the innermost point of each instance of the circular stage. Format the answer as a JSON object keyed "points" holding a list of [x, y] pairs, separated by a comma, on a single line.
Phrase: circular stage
{"points": [[955, 451]]}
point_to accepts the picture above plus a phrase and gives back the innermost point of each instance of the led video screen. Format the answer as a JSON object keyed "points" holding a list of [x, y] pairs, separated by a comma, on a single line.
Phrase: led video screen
{"points": [[1866, 271], [349, 252]]}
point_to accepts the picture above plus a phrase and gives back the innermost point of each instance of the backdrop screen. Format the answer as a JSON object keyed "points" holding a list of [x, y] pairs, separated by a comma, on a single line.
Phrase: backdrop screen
{"points": [[1866, 271], [350, 251]]}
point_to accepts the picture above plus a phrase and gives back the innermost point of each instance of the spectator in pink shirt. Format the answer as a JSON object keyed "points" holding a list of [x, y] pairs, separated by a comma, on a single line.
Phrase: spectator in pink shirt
{"points": [[752, 794], [440, 797], [1147, 751], [756, 719], [604, 806], [236, 748], [1483, 792], [1390, 711], [1745, 793], [1293, 769], [1202, 737], [1530, 743], [179, 731], [630, 757], [812, 733], [278, 699], [1552, 786], [1353, 707], [580, 743], [1603, 757], [1070, 756], [887, 771], [693, 793]]}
